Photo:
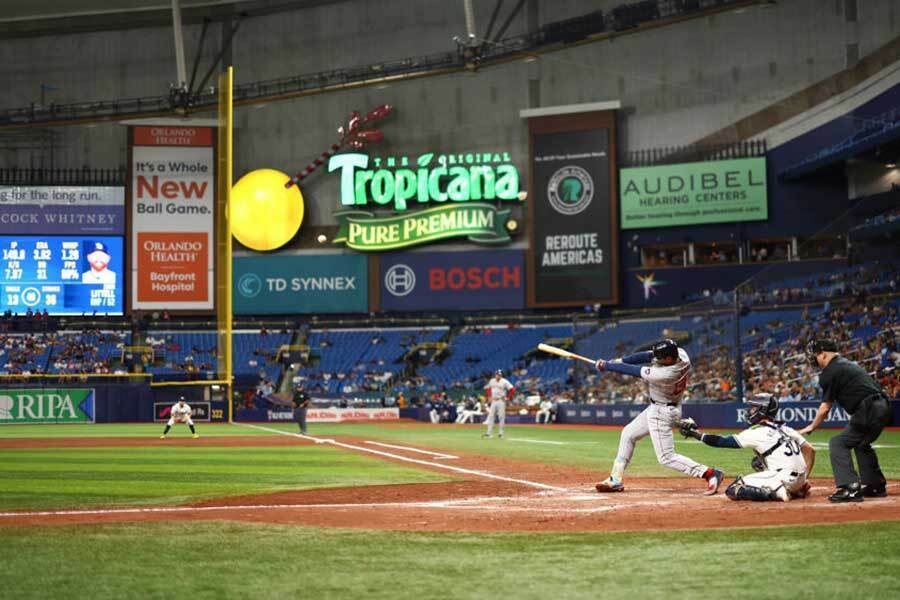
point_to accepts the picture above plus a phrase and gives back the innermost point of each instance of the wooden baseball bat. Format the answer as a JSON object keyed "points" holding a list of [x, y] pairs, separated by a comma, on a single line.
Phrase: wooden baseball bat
{"points": [[565, 353]]}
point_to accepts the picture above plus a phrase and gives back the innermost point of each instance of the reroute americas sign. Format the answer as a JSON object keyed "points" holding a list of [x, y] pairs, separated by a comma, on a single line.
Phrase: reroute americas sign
{"points": [[453, 191]]}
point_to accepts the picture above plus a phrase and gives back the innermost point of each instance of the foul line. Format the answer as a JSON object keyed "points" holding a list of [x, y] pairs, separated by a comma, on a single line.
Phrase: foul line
{"points": [[408, 449], [427, 463], [530, 441]]}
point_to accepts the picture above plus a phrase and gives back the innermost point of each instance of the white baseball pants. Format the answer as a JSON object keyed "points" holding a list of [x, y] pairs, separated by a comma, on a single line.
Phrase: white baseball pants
{"points": [[772, 480], [497, 411], [657, 421]]}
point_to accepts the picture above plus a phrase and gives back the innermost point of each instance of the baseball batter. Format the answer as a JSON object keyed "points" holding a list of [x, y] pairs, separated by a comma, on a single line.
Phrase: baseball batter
{"points": [[782, 458], [499, 390], [181, 413], [666, 371]]}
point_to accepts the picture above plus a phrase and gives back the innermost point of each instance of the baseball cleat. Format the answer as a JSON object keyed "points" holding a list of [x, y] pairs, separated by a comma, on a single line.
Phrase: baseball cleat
{"points": [[195, 436], [608, 486], [874, 491], [713, 482], [850, 493], [782, 494], [486, 435], [162, 437]]}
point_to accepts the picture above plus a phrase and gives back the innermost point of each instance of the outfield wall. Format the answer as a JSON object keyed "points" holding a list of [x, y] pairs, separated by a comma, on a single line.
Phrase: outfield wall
{"points": [[101, 403], [724, 415]]}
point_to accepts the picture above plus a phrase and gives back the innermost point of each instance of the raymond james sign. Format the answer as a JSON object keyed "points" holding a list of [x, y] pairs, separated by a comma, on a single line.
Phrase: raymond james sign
{"points": [[463, 181], [693, 193]]}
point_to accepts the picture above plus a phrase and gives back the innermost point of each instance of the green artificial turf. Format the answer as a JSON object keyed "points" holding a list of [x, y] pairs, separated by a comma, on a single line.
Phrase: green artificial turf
{"points": [[588, 448], [199, 560], [136, 475]]}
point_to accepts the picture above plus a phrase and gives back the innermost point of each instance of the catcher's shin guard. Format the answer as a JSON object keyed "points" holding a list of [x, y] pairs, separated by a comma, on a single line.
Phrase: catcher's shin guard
{"points": [[738, 491]]}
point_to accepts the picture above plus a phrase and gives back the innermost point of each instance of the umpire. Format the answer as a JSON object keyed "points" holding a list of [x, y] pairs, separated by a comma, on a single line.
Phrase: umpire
{"points": [[301, 403], [849, 385]]}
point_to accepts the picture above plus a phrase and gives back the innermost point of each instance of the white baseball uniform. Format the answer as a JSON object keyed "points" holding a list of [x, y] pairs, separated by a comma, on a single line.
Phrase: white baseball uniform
{"points": [[666, 385], [545, 407], [498, 390], [779, 446], [180, 413]]}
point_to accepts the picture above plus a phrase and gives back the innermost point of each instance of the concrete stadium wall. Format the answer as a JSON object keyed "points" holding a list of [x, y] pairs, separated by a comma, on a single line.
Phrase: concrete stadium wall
{"points": [[676, 83]]}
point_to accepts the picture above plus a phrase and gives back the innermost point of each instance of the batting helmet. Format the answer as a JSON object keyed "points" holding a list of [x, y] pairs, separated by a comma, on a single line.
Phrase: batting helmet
{"points": [[499, 372], [664, 349], [814, 347], [762, 406]]}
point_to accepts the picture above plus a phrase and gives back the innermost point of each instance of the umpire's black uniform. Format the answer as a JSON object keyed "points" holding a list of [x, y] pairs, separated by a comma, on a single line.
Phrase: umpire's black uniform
{"points": [[301, 403], [848, 384]]}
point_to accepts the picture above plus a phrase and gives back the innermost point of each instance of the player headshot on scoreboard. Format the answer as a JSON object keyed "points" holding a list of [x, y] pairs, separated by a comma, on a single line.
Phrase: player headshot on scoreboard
{"points": [[98, 257]]}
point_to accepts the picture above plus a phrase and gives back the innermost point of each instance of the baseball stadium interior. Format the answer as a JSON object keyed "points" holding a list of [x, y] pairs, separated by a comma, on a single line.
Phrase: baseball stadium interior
{"points": [[366, 210]]}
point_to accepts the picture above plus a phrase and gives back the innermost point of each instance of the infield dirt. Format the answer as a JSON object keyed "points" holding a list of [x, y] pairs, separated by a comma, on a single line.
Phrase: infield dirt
{"points": [[475, 503]]}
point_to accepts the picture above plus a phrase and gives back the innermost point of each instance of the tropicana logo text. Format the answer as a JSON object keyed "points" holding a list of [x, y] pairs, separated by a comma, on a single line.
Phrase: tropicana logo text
{"points": [[456, 177]]}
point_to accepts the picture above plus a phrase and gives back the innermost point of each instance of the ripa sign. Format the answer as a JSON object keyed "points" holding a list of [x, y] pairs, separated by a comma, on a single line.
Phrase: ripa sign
{"points": [[46, 405], [429, 182]]}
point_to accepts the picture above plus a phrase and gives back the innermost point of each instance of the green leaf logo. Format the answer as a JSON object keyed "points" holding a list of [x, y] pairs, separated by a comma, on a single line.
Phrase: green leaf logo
{"points": [[425, 159]]}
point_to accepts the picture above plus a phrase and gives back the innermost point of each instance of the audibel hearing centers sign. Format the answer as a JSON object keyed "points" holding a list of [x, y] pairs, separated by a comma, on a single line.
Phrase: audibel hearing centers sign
{"points": [[291, 284], [433, 197], [172, 217], [453, 280], [721, 191], [46, 405]]}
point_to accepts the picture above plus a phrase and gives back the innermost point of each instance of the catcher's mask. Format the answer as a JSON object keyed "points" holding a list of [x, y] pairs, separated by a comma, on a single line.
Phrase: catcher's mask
{"points": [[814, 347], [762, 406], [664, 349]]}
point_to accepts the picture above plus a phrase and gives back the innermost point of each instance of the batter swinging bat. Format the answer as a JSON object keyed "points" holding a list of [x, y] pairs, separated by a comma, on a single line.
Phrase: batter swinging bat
{"points": [[565, 353]]}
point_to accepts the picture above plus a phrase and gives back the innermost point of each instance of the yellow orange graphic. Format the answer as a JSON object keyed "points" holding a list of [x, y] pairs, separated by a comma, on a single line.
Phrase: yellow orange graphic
{"points": [[265, 215]]}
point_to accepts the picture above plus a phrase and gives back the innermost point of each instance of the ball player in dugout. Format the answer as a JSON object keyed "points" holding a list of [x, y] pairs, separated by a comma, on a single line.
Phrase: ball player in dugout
{"points": [[854, 390], [99, 272]]}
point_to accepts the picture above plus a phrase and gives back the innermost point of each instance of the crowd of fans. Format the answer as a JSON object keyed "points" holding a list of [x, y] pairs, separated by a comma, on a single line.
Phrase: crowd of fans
{"points": [[61, 353]]}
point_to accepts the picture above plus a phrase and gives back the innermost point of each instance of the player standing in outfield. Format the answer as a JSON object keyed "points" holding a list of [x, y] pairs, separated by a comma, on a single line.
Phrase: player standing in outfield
{"points": [[782, 458], [667, 378], [499, 390], [849, 385], [181, 413]]}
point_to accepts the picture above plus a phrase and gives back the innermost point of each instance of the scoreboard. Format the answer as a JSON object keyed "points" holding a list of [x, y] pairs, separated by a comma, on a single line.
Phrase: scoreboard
{"points": [[66, 275]]}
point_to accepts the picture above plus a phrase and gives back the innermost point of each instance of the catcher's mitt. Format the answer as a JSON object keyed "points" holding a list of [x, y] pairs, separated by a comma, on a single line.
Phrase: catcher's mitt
{"points": [[688, 428], [758, 463]]}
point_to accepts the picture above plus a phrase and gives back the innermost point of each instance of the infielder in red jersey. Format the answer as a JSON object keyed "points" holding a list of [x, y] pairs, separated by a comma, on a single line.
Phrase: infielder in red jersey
{"points": [[666, 368]]}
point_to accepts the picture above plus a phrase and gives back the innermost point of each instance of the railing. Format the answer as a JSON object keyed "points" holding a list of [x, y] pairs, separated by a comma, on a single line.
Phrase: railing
{"points": [[83, 176], [668, 155]]}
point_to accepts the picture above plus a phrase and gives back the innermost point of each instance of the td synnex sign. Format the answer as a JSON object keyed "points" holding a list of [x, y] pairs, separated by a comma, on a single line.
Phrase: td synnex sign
{"points": [[453, 280], [300, 284]]}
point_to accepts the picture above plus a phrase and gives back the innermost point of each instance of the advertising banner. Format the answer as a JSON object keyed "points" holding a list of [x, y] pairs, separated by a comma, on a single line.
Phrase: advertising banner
{"points": [[573, 221], [69, 275], [163, 410], [321, 415], [721, 191], [62, 210], [172, 218], [291, 284], [46, 405], [725, 415], [453, 280], [432, 197]]}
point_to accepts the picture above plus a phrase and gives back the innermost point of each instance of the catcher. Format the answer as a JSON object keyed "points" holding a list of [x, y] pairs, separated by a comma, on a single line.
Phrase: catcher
{"points": [[782, 457], [181, 413]]}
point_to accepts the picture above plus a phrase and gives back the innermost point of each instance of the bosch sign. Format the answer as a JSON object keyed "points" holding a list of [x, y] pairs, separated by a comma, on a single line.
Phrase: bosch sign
{"points": [[475, 278], [446, 280]]}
